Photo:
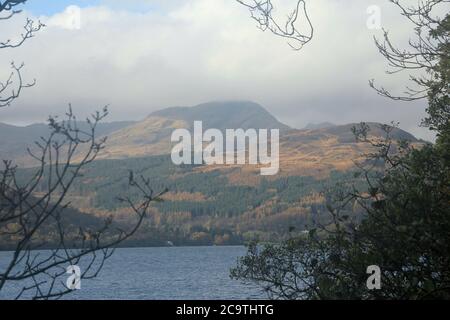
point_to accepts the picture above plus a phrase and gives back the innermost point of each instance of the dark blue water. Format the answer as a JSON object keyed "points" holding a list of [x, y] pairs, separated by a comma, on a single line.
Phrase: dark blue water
{"points": [[163, 273]]}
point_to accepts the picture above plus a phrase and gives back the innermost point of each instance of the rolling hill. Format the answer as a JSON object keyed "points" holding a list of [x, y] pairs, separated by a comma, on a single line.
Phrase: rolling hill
{"points": [[221, 204], [14, 140], [225, 115], [151, 136]]}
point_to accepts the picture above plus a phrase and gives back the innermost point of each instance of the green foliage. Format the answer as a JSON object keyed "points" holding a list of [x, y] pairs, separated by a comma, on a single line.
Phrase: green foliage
{"points": [[228, 205], [405, 232], [406, 225]]}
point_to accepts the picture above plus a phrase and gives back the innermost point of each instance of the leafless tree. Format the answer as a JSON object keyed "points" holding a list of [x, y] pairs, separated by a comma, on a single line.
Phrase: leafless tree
{"points": [[262, 11], [11, 88], [34, 210], [33, 213], [426, 48]]}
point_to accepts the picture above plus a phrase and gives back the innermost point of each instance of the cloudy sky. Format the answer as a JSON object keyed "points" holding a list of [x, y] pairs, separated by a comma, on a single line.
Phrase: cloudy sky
{"points": [[143, 55]]}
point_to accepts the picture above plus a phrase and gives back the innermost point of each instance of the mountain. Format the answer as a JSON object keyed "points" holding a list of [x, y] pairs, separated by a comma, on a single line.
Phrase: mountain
{"points": [[344, 134], [19, 135], [220, 204], [232, 204], [14, 140], [321, 125], [152, 135], [224, 115], [326, 146]]}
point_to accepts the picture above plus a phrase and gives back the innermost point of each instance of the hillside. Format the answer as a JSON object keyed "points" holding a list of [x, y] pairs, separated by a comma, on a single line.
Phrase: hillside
{"points": [[14, 140], [152, 135], [45, 237], [322, 147], [219, 204], [320, 125], [225, 115]]}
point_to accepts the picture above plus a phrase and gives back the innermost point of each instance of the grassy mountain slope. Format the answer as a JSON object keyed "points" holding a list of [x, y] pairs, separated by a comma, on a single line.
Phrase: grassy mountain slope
{"points": [[221, 204]]}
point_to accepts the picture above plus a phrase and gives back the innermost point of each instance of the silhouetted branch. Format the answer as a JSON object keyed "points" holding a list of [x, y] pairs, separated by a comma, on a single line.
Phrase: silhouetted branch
{"points": [[33, 212], [11, 88], [8, 5], [30, 27], [262, 12], [424, 52]]}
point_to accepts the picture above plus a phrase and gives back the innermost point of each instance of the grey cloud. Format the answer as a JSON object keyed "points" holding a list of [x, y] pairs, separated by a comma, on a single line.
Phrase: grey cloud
{"points": [[199, 50]]}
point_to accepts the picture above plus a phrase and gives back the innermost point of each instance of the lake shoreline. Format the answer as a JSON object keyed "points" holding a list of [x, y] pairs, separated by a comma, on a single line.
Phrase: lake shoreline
{"points": [[163, 273], [137, 247]]}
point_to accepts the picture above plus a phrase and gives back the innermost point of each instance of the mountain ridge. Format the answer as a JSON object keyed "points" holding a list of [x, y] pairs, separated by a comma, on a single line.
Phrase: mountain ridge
{"points": [[212, 204], [151, 136], [224, 114]]}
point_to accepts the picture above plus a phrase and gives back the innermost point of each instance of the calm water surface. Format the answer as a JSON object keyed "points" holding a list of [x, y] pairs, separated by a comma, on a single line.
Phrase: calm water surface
{"points": [[164, 273]]}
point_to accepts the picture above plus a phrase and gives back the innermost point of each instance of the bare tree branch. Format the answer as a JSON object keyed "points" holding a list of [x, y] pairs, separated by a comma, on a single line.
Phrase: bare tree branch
{"points": [[262, 12], [11, 88], [8, 5], [424, 52], [33, 212], [30, 27]]}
